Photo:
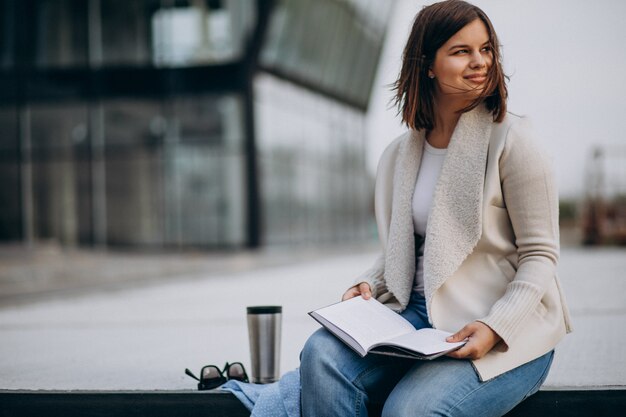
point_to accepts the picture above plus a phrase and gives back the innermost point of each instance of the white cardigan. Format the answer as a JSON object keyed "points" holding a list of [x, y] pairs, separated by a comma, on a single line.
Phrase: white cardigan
{"points": [[492, 240]]}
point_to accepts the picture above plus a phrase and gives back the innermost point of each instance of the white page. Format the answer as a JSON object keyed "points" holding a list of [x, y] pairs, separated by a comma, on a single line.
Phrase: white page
{"points": [[426, 341], [367, 321]]}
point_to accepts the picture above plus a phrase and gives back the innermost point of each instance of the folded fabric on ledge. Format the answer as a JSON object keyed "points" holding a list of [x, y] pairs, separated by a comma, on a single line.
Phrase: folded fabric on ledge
{"points": [[279, 399]]}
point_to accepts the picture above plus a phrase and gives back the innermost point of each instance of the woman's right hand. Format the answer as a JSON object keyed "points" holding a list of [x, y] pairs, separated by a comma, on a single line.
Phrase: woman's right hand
{"points": [[363, 289]]}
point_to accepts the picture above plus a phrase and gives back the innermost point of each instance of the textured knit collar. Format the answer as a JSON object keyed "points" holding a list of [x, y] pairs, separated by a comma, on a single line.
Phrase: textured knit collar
{"points": [[455, 219]]}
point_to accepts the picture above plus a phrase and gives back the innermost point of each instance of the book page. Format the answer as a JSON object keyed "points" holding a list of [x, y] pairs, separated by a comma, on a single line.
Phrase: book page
{"points": [[347, 339], [425, 341], [367, 321]]}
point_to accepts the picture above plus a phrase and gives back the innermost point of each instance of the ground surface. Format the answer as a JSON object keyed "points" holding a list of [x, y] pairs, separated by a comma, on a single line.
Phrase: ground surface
{"points": [[136, 321]]}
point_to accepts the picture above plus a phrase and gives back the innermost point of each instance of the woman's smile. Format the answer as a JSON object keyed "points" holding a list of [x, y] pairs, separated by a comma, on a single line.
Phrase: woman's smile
{"points": [[476, 78]]}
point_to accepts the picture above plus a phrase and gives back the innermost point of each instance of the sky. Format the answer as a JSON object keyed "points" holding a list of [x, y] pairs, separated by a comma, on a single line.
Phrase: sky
{"points": [[567, 63]]}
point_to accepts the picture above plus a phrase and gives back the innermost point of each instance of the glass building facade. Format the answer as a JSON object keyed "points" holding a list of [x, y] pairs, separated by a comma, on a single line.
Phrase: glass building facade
{"points": [[176, 123]]}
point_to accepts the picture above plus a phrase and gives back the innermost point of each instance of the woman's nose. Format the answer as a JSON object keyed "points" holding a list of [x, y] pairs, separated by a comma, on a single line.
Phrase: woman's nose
{"points": [[478, 60]]}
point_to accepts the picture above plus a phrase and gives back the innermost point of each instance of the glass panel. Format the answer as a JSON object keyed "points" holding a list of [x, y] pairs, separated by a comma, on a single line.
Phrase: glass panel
{"points": [[175, 171], [276, 30], [9, 141], [311, 156], [60, 33], [10, 197], [199, 32], [344, 47], [134, 131], [133, 124], [328, 43], [7, 34], [204, 172], [126, 34], [60, 169]]}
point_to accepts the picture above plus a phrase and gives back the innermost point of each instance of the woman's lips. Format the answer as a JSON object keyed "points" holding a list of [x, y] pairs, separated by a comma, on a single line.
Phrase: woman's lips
{"points": [[476, 78]]}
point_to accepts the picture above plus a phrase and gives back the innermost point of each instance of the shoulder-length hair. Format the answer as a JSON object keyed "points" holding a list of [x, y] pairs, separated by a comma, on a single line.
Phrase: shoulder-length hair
{"points": [[433, 26]]}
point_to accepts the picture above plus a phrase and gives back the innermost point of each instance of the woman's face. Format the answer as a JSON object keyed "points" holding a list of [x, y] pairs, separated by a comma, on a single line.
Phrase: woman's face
{"points": [[461, 64]]}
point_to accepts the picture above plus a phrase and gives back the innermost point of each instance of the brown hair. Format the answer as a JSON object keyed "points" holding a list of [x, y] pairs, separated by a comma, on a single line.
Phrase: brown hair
{"points": [[433, 26]]}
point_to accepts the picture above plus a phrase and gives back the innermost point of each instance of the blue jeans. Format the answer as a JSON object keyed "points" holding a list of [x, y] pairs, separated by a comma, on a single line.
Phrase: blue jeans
{"points": [[335, 381]]}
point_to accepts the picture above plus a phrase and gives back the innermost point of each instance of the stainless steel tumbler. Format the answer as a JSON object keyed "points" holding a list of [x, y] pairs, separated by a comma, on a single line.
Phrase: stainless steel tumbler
{"points": [[264, 329]]}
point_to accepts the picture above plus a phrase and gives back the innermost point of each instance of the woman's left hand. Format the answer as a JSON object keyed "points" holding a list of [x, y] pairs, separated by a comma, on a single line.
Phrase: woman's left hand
{"points": [[481, 340]]}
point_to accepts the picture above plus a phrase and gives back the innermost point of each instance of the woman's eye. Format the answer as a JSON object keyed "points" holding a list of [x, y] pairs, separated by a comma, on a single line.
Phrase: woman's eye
{"points": [[466, 51]]}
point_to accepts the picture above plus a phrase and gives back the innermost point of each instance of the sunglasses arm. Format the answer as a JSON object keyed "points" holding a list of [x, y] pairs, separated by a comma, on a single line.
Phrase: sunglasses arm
{"points": [[188, 372]]}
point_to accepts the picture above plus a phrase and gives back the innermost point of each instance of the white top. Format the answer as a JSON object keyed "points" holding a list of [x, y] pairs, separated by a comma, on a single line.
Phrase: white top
{"points": [[430, 167]]}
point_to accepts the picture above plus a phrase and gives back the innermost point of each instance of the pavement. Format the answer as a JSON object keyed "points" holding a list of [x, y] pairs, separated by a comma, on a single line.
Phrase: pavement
{"points": [[105, 320]]}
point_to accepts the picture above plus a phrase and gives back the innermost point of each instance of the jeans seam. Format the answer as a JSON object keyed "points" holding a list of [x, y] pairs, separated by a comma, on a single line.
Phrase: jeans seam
{"points": [[360, 376], [357, 402]]}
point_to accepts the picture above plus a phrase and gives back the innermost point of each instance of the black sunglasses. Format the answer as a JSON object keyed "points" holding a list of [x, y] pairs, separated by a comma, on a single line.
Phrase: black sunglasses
{"points": [[211, 376]]}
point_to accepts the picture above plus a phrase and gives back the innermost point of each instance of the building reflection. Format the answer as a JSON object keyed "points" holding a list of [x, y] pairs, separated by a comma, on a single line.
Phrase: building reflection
{"points": [[176, 123]]}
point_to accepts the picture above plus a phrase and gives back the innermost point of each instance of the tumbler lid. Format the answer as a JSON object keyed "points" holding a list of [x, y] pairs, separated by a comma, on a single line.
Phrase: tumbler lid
{"points": [[265, 310]]}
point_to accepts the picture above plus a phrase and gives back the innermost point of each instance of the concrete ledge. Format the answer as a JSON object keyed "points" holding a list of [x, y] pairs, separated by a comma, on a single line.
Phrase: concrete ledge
{"points": [[120, 404], [597, 403], [566, 403]]}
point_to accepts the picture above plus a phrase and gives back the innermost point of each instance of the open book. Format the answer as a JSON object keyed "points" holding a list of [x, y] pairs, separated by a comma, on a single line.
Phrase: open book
{"points": [[367, 326]]}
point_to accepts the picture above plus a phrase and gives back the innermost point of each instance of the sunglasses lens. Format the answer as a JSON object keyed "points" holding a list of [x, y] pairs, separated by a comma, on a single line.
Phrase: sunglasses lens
{"points": [[211, 377], [236, 371], [210, 372]]}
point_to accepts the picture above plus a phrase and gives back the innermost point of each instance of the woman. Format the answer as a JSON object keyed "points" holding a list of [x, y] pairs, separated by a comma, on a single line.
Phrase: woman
{"points": [[467, 215]]}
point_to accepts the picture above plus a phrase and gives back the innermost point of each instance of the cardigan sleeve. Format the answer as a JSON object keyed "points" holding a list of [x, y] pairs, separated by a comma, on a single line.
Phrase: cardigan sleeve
{"points": [[374, 277], [531, 199]]}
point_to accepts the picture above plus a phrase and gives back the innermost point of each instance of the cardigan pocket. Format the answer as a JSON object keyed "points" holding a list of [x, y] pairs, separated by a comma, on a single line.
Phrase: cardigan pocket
{"points": [[507, 269], [497, 202], [541, 309]]}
